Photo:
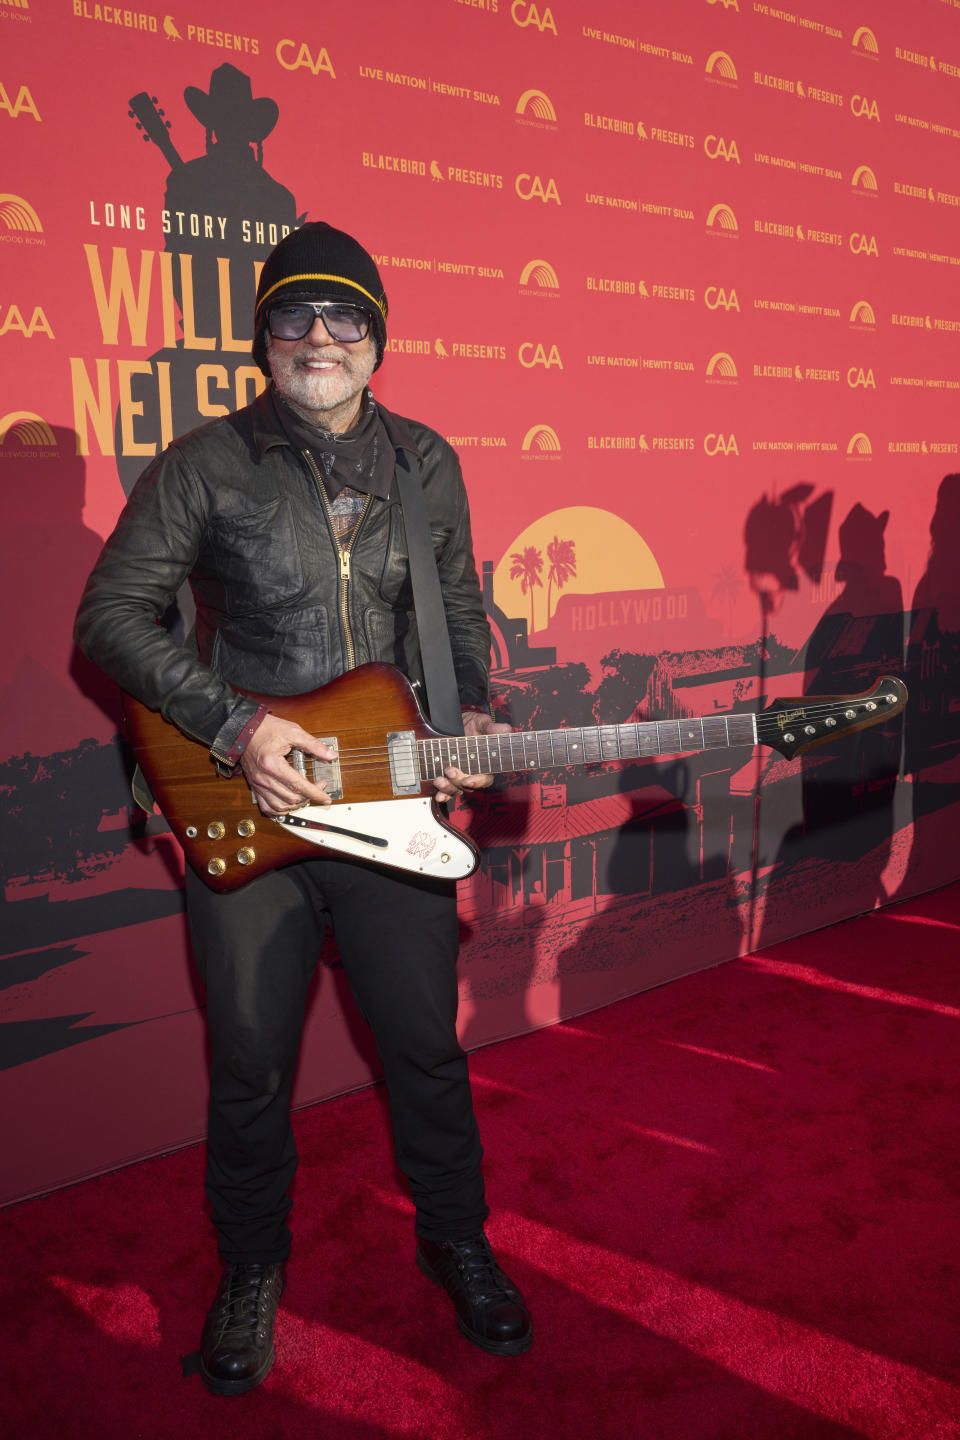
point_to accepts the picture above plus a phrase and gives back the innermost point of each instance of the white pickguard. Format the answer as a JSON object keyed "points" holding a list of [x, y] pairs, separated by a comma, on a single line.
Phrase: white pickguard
{"points": [[402, 834]]}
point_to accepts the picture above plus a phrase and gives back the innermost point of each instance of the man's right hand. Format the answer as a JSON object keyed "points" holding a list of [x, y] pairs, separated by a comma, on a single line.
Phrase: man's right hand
{"points": [[277, 786]]}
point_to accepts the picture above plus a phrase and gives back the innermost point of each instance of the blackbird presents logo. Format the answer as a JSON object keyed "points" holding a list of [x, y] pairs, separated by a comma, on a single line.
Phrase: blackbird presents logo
{"points": [[865, 180], [865, 42], [523, 13], [539, 274], [859, 447], [531, 187], [722, 221], [18, 214], [27, 428], [542, 439], [862, 315]]}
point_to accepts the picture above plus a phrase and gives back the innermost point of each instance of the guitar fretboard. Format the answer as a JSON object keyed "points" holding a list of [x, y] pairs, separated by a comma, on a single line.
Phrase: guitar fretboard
{"points": [[573, 745]]}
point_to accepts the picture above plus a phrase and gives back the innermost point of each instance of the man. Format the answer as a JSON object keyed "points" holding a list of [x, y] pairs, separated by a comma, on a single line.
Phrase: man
{"points": [[284, 517]]}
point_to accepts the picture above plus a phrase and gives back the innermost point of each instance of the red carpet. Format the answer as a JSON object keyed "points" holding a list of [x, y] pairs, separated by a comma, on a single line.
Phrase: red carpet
{"points": [[732, 1203]]}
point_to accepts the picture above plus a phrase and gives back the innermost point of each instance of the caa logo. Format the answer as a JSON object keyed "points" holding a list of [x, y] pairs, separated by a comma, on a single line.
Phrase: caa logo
{"points": [[858, 446], [524, 14], [860, 379], [24, 103], [865, 41], [865, 109], [865, 179], [861, 244], [539, 103], [720, 66], [719, 149], [722, 217], [17, 214], [541, 356], [28, 428], [717, 299], [544, 437], [13, 320], [540, 273], [863, 314], [720, 444], [305, 60], [531, 187], [727, 4]]}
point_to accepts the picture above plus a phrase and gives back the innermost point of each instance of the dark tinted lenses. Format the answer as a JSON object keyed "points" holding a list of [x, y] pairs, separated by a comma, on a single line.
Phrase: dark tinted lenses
{"points": [[293, 320]]}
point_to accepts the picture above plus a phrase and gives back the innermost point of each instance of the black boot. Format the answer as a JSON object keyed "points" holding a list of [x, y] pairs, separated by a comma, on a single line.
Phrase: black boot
{"points": [[490, 1309], [236, 1349]]}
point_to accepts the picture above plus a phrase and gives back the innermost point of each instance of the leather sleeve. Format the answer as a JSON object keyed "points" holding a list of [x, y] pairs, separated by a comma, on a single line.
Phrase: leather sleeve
{"points": [[141, 567]]}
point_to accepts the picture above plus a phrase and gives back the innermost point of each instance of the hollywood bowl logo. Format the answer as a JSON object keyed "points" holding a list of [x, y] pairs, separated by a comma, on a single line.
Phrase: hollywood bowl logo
{"points": [[539, 275], [865, 42], [721, 69], [863, 315], [722, 221], [29, 435], [18, 214], [722, 369], [540, 108], [541, 441], [864, 179], [859, 447]]}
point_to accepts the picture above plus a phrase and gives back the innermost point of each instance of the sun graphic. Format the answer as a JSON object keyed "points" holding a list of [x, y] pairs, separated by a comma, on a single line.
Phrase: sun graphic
{"points": [[597, 553]]}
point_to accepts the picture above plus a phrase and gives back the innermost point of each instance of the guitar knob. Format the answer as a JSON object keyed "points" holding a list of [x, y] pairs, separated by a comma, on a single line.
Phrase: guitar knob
{"points": [[217, 865]]}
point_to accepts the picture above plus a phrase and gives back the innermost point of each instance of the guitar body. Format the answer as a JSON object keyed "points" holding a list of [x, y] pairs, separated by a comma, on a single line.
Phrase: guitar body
{"points": [[228, 842]]}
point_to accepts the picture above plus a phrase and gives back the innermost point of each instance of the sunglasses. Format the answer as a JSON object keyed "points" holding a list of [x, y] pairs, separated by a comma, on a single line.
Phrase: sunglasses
{"points": [[292, 320]]}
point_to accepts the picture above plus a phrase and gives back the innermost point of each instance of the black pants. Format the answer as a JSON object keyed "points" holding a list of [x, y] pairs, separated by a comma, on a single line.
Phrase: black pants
{"points": [[256, 951]]}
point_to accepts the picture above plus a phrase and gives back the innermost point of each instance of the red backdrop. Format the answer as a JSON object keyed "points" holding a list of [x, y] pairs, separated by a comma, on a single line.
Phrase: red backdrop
{"points": [[679, 285]]}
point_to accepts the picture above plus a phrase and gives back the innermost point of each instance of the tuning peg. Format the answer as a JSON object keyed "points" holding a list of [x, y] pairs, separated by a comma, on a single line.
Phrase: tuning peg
{"points": [[166, 122], [146, 138], [161, 112], [130, 113], [153, 99]]}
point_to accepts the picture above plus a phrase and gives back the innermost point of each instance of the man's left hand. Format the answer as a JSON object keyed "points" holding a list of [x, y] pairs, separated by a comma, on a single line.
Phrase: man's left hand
{"points": [[453, 781]]}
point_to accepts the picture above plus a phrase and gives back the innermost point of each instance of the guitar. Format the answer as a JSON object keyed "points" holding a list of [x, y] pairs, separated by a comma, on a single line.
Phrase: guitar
{"points": [[385, 808], [143, 109]]}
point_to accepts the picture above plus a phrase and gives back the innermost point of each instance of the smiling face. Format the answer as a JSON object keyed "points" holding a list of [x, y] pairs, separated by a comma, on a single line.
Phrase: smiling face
{"points": [[322, 378]]}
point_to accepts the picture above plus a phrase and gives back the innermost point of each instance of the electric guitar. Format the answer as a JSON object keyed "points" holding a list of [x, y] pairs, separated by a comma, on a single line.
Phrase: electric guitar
{"points": [[385, 808]]}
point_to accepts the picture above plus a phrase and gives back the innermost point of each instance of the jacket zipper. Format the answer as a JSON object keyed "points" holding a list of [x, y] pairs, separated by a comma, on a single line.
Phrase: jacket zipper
{"points": [[343, 559]]}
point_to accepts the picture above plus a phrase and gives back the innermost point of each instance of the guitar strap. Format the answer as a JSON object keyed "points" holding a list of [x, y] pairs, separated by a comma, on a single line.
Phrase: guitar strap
{"points": [[443, 696]]}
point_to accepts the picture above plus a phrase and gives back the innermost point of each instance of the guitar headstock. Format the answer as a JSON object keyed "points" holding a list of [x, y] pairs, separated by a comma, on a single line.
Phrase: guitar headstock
{"points": [[795, 726], [143, 109]]}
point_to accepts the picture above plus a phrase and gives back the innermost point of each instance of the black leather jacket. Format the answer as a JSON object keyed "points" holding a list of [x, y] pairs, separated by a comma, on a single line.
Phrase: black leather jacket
{"points": [[234, 508]]}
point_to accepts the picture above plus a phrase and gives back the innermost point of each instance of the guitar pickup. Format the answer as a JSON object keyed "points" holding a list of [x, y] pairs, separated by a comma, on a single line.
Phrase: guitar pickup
{"points": [[321, 772], [404, 770]]}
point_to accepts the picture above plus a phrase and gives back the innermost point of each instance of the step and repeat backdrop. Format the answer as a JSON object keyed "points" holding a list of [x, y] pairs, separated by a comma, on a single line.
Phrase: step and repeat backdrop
{"points": [[679, 283]]}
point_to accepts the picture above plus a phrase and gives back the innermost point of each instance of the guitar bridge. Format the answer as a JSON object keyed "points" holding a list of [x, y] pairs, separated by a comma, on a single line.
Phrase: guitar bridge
{"points": [[404, 770], [322, 772]]}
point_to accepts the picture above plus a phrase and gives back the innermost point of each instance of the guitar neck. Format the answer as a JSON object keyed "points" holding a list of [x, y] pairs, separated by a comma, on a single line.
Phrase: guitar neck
{"points": [[538, 750]]}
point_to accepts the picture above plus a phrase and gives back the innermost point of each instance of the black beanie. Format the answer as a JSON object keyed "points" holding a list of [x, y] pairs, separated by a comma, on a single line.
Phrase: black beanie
{"points": [[317, 262]]}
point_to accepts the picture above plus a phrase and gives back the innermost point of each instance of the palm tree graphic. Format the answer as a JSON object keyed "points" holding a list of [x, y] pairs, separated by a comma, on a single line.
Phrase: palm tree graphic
{"points": [[562, 555], [525, 566], [727, 585]]}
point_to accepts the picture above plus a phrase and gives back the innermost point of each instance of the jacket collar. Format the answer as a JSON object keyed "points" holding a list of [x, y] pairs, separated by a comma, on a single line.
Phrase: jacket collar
{"points": [[268, 432]]}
